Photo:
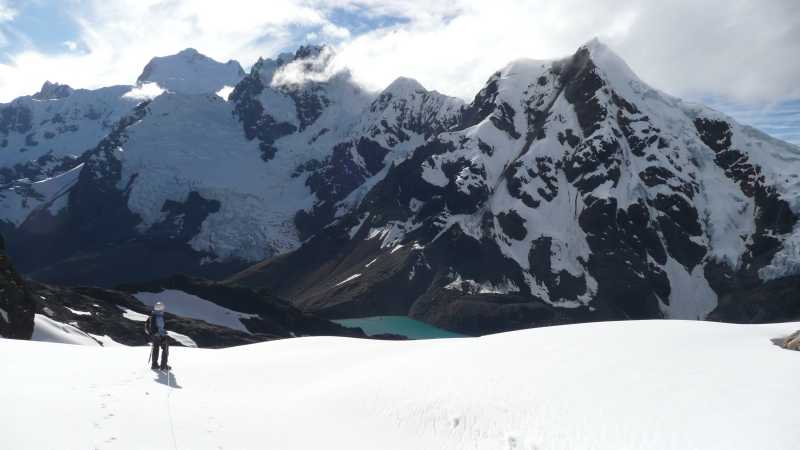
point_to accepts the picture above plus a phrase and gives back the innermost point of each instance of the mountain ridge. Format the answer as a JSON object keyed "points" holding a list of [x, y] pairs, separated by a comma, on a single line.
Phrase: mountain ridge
{"points": [[182, 154], [566, 190], [637, 166]]}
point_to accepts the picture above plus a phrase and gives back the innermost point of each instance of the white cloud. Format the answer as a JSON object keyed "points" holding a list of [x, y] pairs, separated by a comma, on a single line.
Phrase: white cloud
{"points": [[319, 68], [146, 91], [119, 37], [745, 49], [335, 32], [70, 45], [7, 13]]}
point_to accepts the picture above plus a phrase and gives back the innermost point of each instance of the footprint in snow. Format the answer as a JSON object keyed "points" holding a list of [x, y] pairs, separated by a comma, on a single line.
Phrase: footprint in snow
{"points": [[516, 443]]}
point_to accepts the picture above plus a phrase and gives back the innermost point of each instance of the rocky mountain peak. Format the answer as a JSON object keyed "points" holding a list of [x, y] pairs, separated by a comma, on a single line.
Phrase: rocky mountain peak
{"points": [[404, 107], [569, 189], [402, 85], [313, 61], [614, 66], [190, 54], [594, 45], [293, 70], [53, 91], [312, 51]]}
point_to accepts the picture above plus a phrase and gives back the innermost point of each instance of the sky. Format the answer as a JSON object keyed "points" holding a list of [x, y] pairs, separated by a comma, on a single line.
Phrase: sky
{"points": [[739, 56]]}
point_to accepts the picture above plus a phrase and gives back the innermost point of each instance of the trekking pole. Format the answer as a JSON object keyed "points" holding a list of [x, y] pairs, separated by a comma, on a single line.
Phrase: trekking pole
{"points": [[150, 354]]}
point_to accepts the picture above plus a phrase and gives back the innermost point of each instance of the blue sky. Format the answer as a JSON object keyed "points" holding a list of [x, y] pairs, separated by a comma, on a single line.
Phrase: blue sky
{"points": [[39, 24], [739, 57], [781, 120]]}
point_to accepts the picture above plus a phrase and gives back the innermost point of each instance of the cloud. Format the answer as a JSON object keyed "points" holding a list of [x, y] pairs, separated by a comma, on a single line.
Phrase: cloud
{"points": [[781, 120], [744, 49], [335, 32], [7, 13], [117, 39], [145, 91], [315, 68]]}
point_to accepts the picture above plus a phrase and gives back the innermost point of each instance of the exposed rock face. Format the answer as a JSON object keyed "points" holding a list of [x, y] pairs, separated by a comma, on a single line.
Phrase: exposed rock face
{"points": [[53, 91], [276, 317], [187, 175], [17, 305], [94, 237], [772, 301], [105, 312], [118, 314], [568, 191], [42, 135], [792, 342]]}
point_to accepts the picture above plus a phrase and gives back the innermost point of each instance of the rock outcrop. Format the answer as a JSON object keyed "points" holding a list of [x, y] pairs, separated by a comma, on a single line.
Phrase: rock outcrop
{"points": [[17, 305]]}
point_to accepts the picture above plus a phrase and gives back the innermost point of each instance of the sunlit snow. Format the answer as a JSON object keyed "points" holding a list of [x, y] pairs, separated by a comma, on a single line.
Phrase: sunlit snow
{"points": [[648, 385]]}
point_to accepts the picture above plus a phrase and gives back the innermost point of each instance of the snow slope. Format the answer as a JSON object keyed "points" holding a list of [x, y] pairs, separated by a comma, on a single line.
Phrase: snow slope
{"points": [[194, 143], [23, 196], [46, 329], [189, 72], [187, 305], [615, 385]]}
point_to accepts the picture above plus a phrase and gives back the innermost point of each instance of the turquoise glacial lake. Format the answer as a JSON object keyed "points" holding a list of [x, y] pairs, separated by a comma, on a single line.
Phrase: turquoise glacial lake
{"points": [[402, 325]]}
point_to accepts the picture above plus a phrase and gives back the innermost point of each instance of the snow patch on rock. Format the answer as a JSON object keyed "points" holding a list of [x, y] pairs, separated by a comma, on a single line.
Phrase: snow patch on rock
{"points": [[132, 315], [46, 329], [184, 304], [690, 296], [473, 287], [348, 279], [79, 313]]}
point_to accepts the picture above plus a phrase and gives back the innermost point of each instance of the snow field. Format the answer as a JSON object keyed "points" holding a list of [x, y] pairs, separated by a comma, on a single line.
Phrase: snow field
{"points": [[616, 385]]}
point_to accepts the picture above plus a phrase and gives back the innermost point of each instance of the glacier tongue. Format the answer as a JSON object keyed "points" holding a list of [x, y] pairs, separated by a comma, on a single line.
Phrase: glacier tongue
{"points": [[196, 145]]}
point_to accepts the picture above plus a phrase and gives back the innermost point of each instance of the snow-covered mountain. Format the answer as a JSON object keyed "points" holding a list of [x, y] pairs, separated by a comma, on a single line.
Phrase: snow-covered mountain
{"points": [[190, 72], [569, 190], [44, 134], [46, 137], [210, 184], [637, 385]]}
